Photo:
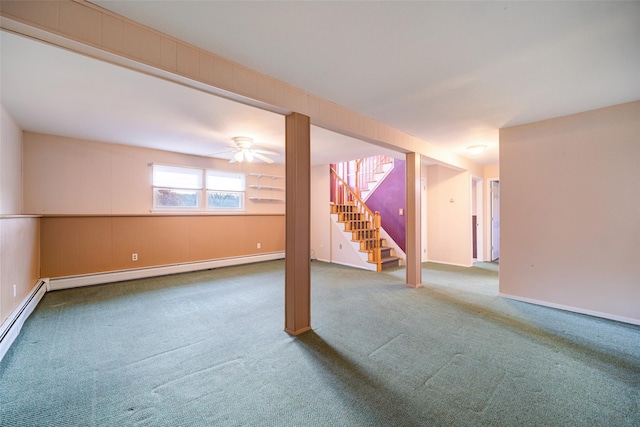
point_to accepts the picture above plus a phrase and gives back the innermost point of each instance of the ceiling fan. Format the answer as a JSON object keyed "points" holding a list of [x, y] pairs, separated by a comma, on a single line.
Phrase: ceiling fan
{"points": [[244, 150]]}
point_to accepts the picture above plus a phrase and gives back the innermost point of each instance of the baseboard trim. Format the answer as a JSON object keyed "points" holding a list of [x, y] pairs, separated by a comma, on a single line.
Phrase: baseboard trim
{"points": [[68, 282], [11, 327], [573, 309]]}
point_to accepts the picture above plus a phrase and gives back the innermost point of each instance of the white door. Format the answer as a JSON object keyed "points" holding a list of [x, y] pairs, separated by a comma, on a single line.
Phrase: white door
{"points": [[423, 219], [495, 220]]}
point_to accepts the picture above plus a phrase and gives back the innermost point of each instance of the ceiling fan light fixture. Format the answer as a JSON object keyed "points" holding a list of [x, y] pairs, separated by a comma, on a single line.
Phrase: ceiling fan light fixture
{"points": [[476, 149], [243, 142], [244, 151]]}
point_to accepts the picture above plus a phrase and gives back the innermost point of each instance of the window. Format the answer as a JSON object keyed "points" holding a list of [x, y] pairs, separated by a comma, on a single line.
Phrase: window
{"points": [[225, 190], [176, 187], [182, 188]]}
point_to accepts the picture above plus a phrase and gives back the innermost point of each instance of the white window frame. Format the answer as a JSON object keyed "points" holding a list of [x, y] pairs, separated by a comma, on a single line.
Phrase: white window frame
{"points": [[200, 184], [159, 183], [238, 188]]}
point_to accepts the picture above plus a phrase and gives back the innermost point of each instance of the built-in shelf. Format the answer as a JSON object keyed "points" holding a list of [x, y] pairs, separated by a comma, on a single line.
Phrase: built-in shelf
{"points": [[265, 199], [266, 187], [267, 191], [262, 175]]}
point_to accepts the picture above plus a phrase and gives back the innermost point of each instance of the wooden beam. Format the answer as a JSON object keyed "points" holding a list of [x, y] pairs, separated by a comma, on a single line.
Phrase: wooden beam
{"points": [[413, 216], [297, 303]]}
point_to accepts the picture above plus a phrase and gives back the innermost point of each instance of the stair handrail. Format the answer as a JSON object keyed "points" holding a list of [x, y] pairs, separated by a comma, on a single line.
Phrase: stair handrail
{"points": [[365, 171], [348, 195], [372, 165]]}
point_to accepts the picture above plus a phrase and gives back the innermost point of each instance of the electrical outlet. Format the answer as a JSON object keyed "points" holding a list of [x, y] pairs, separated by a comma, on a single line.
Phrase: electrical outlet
{"points": [[134, 257], [14, 291], [258, 245]]}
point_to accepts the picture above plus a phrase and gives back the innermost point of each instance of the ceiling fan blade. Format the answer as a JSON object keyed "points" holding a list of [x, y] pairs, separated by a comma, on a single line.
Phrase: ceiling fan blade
{"points": [[263, 158], [219, 152], [271, 153]]}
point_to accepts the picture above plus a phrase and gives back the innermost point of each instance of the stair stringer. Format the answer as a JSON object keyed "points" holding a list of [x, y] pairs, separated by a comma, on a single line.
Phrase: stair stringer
{"points": [[345, 251]]}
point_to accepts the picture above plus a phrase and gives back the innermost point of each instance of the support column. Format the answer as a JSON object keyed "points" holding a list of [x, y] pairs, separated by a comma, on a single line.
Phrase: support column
{"points": [[413, 218], [297, 288]]}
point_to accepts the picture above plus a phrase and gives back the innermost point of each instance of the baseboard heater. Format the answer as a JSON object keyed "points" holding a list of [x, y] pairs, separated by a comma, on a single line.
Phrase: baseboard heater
{"points": [[11, 327], [141, 273]]}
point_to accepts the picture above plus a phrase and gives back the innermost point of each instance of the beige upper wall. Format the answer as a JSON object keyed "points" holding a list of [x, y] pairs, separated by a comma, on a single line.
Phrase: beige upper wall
{"points": [[492, 171], [570, 207], [72, 176], [449, 215], [10, 165]]}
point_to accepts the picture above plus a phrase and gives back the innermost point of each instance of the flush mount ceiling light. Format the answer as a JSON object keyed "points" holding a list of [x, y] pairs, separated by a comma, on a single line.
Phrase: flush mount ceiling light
{"points": [[476, 149]]}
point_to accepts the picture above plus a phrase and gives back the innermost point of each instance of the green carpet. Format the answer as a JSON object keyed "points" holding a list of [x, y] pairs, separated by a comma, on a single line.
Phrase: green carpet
{"points": [[208, 349]]}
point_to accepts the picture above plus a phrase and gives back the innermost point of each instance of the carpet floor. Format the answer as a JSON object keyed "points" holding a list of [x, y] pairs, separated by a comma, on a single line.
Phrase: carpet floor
{"points": [[208, 349]]}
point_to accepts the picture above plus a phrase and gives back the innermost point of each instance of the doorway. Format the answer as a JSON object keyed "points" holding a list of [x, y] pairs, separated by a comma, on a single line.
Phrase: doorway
{"points": [[423, 217], [495, 221], [477, 209]]}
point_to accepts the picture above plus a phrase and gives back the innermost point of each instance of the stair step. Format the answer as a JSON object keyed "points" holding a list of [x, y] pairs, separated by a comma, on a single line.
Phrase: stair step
{"points": [[362, 231], [368, 244], [357, 225], [350, 216], [342, 208], [387, 262], [390, 262]]}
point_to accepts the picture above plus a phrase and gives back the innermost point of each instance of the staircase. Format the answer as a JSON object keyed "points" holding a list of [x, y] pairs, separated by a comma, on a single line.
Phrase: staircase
{"points": [[365, 233], [363, 224], [364, 175], [373, 170]]}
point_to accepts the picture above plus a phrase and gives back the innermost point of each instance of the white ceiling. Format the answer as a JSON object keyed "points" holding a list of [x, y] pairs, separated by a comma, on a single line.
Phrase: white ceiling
{"points": [[450, 73], [51, 90]]}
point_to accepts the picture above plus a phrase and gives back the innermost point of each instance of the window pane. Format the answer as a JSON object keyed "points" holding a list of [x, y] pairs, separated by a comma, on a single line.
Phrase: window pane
{"points": [[225, 181], [224, 200], [169, 198], [177, 177]]}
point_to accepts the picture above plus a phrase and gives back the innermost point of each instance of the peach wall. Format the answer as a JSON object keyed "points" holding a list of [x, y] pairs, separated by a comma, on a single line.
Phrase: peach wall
{"points": [[73, 245], [96, 198], [449, 216], [570, 209], [10, 165], [320, 219], [72, 176], [19, 235], [19, 260]]}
